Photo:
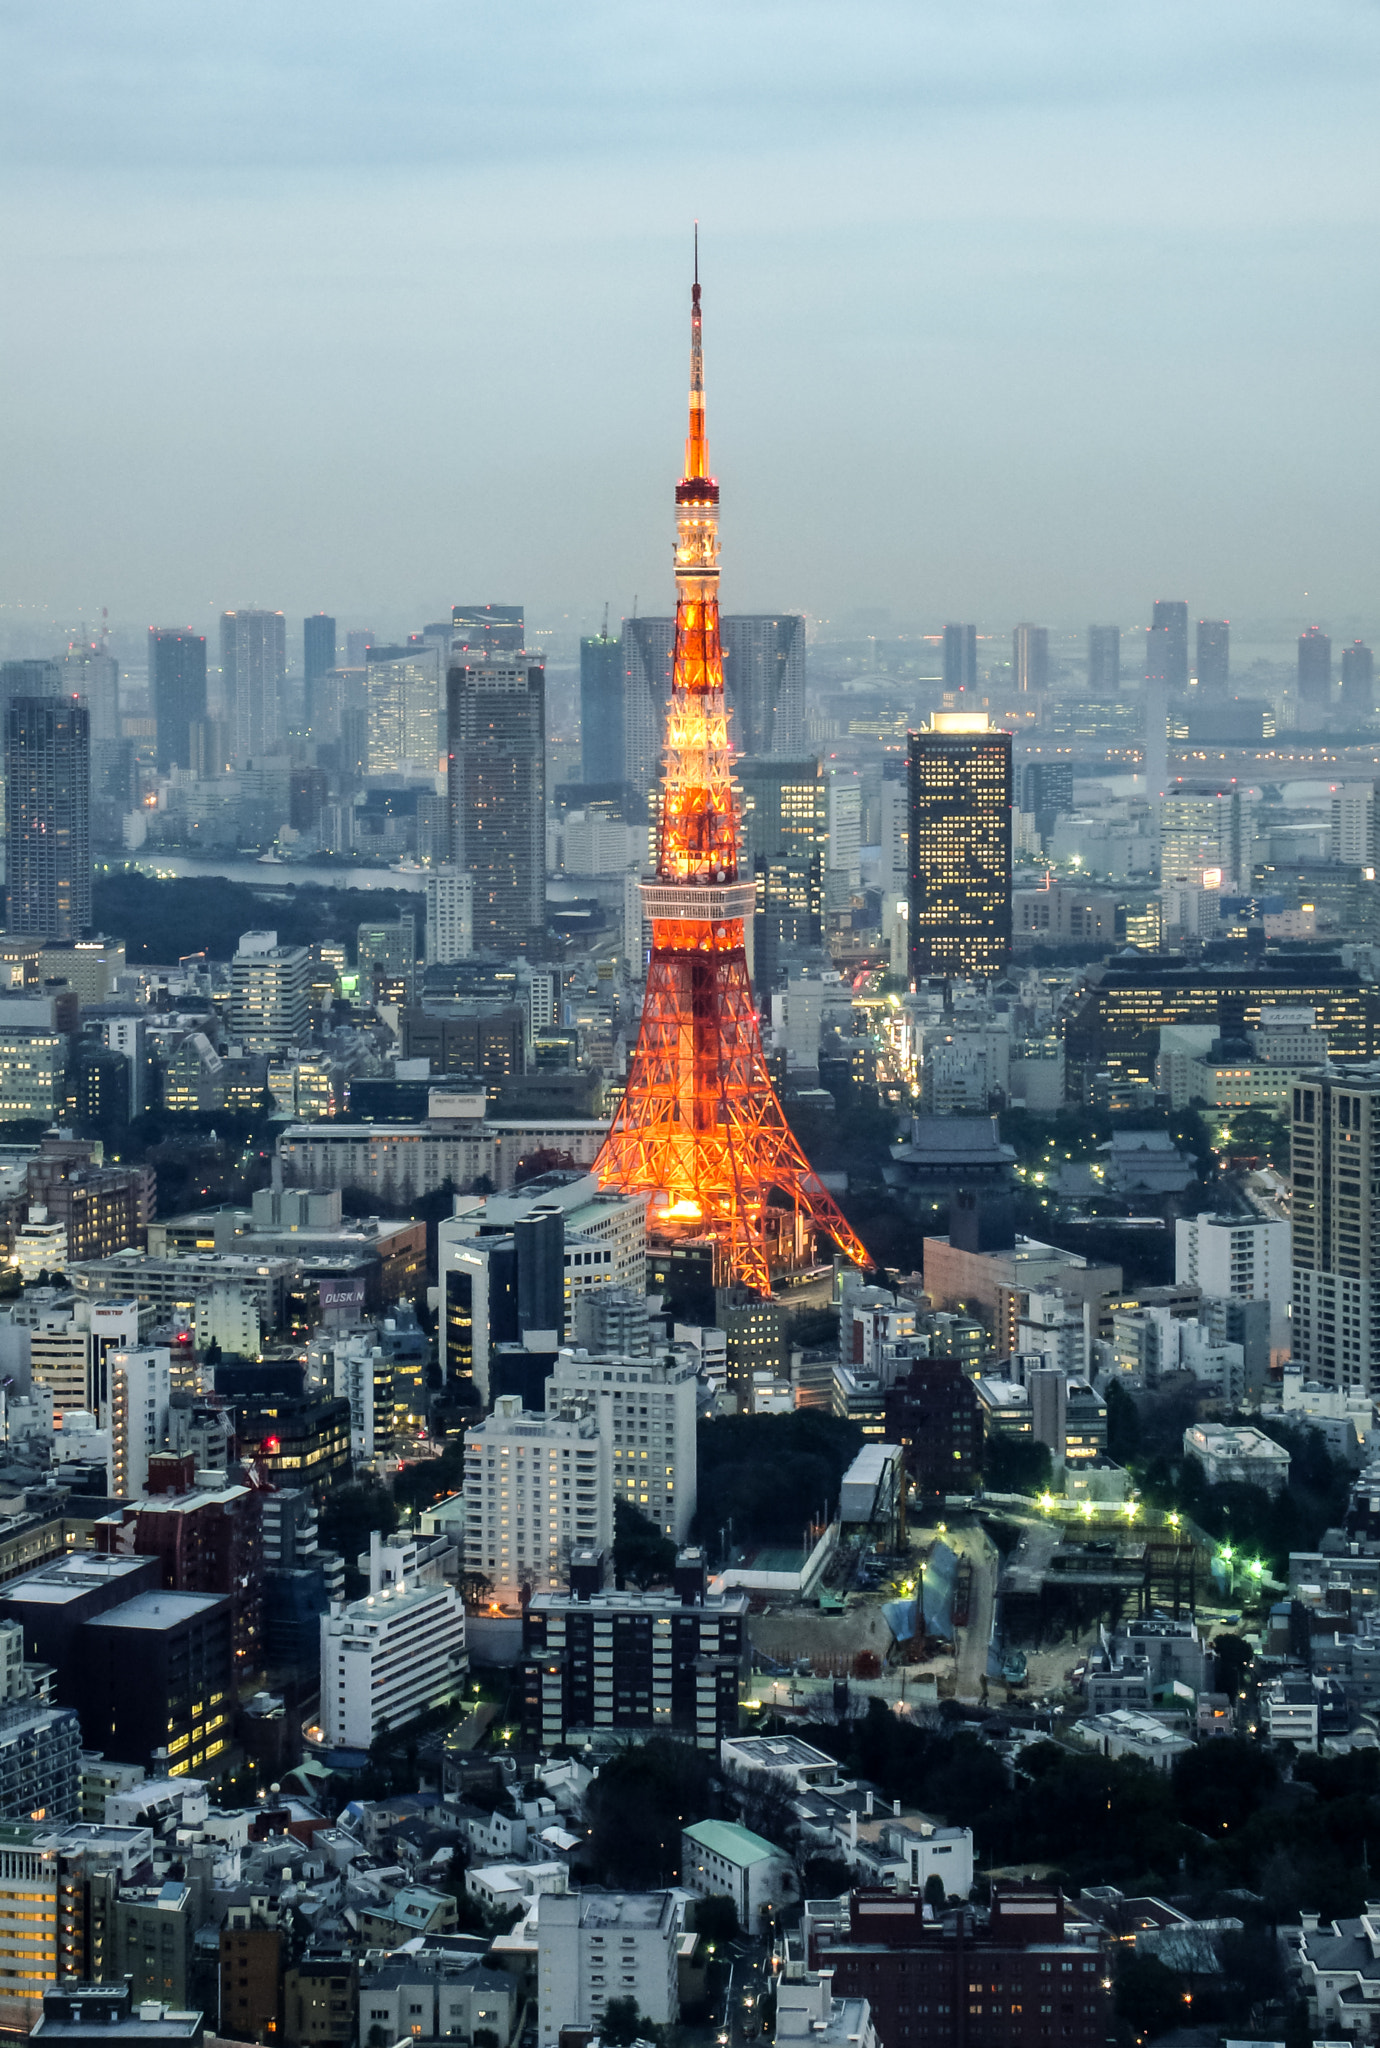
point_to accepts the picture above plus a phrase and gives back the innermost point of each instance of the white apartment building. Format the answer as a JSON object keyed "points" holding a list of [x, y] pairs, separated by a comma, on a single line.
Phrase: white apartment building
{"points": [[268, 993], [536, 1486], [66, 1346], [596, 1946], [1230, 1455], [1353, 824], [449, 915], [140, 1397], [1246, 1258], [387, 1658], [646, 1414]]}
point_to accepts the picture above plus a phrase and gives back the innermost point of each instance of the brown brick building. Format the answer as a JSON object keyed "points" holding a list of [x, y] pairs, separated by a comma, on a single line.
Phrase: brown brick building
{"points": [[1019, 1980]]}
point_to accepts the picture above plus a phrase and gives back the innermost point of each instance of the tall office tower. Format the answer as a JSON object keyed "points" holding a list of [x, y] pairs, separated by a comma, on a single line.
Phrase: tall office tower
{"points": [[48, 816], [496, 788], [601, 709], [253, 670], [487, 630], [960, 657], [1210, 830], [402, 699], [1358, 679], [1030, 657], [357, 647], [386, 954], [318, 646], [1047, 789], [88, 671], [449, 915], [1166, 646], [648, 647], [700, 1130], [960, 847], [843, 816], [1335, 1150], [785, 828], [1315, 666], [177, 684], [1214, 657], [764, 683], [1104, 660]]}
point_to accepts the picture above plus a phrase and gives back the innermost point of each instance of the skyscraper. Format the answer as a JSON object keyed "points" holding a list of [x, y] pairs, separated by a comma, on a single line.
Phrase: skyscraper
{"points": [[486, 630], [402, 701], [1214, 656], [89, 672], [318, 647], [960, 846], [648, 645], [1166, 645], [960, 657], [764, 683], [785, 829], [1335, 1151], [177, 684], [1315, 666], [253, 669], [48, 816], [1358, 680], [1030, 657], [496, 786], [601, 709], [1104, 660]]}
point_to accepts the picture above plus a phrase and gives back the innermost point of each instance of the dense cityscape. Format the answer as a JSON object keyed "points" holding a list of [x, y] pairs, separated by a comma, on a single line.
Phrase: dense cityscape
{"points": [[689, 1295]]}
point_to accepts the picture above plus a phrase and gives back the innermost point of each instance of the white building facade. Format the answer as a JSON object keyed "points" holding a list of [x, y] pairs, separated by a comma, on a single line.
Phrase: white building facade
{"points": [[536, 1486]]}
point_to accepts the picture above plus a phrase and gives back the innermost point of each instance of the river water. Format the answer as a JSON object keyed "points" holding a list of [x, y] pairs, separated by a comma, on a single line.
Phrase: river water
{"points": [[265, 875]]}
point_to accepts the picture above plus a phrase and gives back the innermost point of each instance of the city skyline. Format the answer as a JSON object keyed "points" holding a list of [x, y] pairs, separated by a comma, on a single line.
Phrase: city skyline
{"points": [[867, 278]]}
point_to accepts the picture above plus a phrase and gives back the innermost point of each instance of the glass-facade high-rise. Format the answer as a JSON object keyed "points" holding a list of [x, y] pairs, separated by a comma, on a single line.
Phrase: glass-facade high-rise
{"points": [[177, 684], [601, 710], [764, 682], [1166, 645], [960, 657], [1104, 660], [496, 787], [960, 847], [1030, 657], [318, 646], [402, 702], [1358, 679], [1315, 666], [48, 817], [1214, 656], [785, 832], [486, 630]]}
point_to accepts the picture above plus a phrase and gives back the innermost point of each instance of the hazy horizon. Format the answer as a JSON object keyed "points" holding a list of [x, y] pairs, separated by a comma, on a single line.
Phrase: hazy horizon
{"points": [[1010, 312]]}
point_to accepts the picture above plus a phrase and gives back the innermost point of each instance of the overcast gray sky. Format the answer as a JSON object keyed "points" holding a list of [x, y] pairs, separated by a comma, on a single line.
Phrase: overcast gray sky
{"points": [[1036, 309]]}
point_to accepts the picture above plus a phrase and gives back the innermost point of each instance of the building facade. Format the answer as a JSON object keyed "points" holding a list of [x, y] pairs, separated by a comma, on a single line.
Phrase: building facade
{"points": [[48, 816], [253, 670], [177, 685], [960, 847], [1335, 1151], [496, 788]]}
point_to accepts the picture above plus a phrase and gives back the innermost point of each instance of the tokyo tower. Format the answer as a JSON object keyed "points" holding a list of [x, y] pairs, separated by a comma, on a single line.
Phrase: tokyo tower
{"points": [[700, 1129]]}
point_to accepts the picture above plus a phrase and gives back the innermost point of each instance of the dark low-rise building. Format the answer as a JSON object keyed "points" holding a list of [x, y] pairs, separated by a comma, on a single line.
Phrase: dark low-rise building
{"points": [[105, 2016], [158, 1681], [936, 1416]]}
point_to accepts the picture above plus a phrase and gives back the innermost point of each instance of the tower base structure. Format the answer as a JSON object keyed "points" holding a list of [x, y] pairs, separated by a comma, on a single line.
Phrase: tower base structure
{"points": [[700, 1128]]}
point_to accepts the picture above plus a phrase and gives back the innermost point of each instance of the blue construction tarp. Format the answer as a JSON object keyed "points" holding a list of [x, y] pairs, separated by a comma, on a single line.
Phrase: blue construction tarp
{"points": [[940, 1578]]}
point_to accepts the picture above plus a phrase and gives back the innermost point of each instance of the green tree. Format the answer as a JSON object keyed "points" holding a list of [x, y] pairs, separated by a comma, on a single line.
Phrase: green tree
{"points": [[1016, 1465], [621, 2024], [641, 1554], [1149, 1997], [637, 1807], [716, 1918], [1123, 1424], [934, 1891]]}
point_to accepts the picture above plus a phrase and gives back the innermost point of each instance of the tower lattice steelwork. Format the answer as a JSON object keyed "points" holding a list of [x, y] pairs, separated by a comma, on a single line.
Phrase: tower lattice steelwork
{"points": [[700, 1129]]}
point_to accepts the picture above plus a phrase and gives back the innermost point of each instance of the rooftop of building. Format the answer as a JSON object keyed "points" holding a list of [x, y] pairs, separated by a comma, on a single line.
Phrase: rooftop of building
{"points": [[158, 1611], [777, 1753], [731, 1841], [70, 1578]]}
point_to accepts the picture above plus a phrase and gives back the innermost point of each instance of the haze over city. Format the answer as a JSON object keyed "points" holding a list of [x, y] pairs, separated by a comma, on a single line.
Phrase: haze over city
{"points": [[1014, 312]]}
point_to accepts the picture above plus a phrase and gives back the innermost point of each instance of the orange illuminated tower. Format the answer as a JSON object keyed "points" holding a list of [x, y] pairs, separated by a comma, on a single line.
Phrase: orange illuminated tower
{"points": [[700, 1129]]}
